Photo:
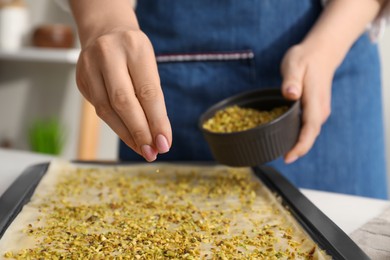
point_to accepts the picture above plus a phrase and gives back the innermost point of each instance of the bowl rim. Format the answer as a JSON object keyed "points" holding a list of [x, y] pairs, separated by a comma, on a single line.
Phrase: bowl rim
{"points": [[294, 105]]}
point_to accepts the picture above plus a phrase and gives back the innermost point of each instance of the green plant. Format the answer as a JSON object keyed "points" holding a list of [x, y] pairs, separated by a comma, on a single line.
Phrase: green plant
{"points": [[47, 136]]}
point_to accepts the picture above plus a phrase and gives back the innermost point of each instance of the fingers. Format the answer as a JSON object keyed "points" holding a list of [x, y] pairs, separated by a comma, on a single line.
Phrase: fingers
{"points": [[316, 109], [125, 103], [293, 73], [118, 75], [144, 74], [310, 130], [305, 77], [97, 95]]}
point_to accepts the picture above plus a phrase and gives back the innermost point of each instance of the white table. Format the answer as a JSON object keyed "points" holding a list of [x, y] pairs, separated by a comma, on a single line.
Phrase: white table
{"points": [[348, 212]]}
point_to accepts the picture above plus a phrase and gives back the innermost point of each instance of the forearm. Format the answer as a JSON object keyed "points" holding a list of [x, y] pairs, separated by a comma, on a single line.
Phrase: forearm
{"points": [[95, 18], [341, 23]]}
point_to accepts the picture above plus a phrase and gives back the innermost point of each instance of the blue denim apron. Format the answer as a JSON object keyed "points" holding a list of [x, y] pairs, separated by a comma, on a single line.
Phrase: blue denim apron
{"points": [[209, 50]]}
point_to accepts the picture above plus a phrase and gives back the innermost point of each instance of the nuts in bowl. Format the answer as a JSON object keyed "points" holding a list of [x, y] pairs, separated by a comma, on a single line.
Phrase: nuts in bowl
{"points": [[251, 128], [236, 119]]}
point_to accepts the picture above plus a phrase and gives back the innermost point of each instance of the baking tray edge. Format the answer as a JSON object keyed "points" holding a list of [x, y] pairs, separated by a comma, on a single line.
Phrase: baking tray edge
{"points": [[19, 193], [319, 227]]}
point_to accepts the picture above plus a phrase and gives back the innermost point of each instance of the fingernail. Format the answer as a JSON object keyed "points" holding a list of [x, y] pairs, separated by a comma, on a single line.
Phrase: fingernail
{"points": [[148, 153], [291, 159], [162, 144], [292, 91]]}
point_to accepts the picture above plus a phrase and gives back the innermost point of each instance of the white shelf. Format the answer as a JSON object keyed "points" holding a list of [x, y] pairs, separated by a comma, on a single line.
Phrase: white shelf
{"points": [[69, 56]]}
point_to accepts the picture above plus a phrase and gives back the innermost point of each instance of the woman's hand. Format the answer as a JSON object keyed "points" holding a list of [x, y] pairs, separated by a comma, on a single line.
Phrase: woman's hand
{"points": [[117, 73], [308, 68], [307, 75]]}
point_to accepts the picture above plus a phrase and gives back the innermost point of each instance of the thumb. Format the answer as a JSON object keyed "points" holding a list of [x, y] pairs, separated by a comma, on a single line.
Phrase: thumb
{"points": [[293, 75]]}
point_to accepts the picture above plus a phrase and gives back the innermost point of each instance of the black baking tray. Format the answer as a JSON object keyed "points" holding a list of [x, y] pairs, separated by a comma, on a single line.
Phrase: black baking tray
{"points": [[322, 230]]}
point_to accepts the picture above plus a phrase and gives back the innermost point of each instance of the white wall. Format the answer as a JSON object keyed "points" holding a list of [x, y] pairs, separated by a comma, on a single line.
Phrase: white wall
{"points": [[30, 90], [384, 45], [33, 90]]}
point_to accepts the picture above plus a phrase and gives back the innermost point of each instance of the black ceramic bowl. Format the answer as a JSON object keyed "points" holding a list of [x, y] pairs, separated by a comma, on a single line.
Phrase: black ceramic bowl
{"points": [[257, 145]]}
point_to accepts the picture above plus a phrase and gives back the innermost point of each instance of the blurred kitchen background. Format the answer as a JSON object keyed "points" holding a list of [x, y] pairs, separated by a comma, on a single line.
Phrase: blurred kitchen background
{"points": [[39, 97]]}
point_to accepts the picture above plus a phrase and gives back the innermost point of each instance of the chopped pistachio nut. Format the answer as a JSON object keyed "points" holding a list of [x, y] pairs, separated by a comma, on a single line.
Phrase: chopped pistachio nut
{"points": [[120, 213], [236, 119]]}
